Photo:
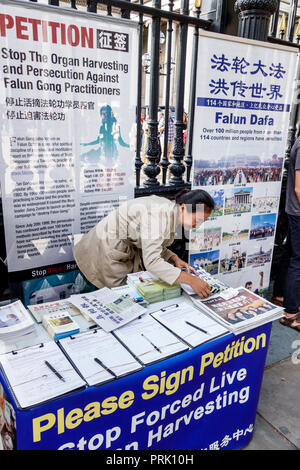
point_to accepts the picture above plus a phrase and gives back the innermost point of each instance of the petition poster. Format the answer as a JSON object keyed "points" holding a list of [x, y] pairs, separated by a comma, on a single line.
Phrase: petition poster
{"points": [[68, 106], [243, 100]]}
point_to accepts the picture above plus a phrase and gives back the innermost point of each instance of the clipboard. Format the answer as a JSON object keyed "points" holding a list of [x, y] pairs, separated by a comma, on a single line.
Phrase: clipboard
{"points": [[192, 326], [91, 354], [149, 341], [38, 374]]}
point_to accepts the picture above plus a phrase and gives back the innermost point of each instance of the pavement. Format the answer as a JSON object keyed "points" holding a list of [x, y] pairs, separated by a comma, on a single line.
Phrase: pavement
{"points": [[277, 424]]}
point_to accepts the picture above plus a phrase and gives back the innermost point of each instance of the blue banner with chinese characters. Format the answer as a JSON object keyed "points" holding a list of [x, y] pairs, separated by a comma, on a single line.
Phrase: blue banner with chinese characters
{"points": [[243, 100]]}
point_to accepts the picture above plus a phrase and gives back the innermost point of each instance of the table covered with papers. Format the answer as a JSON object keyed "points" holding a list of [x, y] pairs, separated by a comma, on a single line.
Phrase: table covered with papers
{"points": [[169, 377]]}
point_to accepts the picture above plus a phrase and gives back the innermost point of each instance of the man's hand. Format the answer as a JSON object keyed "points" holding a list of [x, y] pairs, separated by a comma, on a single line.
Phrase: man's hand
{"points": [[200, 287], [179, 263]]}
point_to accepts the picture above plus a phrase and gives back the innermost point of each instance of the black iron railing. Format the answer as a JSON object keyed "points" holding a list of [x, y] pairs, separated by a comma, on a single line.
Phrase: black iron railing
{"points": [[161, 171]]}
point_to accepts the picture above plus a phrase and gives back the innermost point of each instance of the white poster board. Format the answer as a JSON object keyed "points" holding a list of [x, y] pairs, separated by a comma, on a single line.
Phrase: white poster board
{"points": [[243, 99], [68, 111]]}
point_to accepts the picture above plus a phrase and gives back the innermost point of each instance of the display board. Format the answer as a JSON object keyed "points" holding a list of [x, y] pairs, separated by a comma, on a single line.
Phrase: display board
{"points": [[67, 129], [243, 99]]}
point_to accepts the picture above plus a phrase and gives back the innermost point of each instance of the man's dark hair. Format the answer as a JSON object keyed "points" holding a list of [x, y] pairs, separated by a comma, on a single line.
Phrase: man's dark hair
{"points": [[192, 199]]}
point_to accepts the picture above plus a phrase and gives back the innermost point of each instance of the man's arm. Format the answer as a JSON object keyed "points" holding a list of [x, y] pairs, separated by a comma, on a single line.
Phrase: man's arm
{"points": [[297, 184]]}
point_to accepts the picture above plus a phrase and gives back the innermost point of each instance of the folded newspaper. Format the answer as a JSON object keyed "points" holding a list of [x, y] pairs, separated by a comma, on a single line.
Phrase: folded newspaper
{"points": [[238, 309]]}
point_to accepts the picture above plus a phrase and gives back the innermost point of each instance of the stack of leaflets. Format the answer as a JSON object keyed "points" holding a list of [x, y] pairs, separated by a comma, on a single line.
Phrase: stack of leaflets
{"points": [[15, 321], [215, 284], [56, 306], [239, 309], [151, 288], [59, 325]]}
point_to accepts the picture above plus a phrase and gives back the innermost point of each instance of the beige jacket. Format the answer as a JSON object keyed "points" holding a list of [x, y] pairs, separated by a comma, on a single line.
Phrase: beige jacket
{"points": [[142, 227]]}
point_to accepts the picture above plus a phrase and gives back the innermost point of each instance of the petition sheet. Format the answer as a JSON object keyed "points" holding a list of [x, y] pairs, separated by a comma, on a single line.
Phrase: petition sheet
{"points": [[189, 324], [91, 352], [148, 340], [39, 373]]}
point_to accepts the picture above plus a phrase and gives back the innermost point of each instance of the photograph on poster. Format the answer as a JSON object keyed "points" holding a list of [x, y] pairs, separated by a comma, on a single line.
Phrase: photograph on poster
{"points": [[259, 253], [238, 200], [233, 258], [235, 229], [218, 197], [237, 169], [266, 198], [255, 279], [207, 238], [208, 260], [53, 287], [262, 226]]}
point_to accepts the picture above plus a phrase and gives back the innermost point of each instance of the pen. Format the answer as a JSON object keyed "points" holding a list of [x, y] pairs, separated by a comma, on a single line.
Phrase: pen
{"points": [[197, 327], [104, 366], [54, 371], [152, 344]]}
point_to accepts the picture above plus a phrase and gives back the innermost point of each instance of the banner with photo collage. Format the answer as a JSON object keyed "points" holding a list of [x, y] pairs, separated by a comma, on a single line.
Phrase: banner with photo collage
{"points": [[243, 101]]}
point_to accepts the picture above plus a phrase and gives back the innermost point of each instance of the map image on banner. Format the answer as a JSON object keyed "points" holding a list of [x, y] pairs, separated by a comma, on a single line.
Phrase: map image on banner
{"points": [[67, 127], [242, 107]]}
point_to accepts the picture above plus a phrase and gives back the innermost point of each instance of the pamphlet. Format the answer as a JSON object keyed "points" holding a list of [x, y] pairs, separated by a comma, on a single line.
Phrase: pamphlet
{"points": [[64, 305], [107, 308], [151, 288], [59, 325], [216, 285]]}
